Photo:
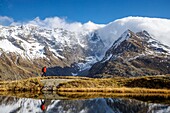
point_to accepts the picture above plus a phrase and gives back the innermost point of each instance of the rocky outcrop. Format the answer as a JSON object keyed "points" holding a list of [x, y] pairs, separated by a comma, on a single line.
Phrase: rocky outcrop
{"points": [[13, 66], [24, 50], [134, 55]]}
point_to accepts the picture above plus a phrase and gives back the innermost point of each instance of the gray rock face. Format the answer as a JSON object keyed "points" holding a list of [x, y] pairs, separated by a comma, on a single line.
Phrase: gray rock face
{"points": [[134, 55], [24, 50], [29, 48]]}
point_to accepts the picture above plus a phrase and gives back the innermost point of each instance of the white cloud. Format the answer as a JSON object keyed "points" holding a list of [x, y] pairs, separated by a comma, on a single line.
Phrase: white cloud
{"points": [[5, 21], [92, 26], [56, 22], [156, 27]]}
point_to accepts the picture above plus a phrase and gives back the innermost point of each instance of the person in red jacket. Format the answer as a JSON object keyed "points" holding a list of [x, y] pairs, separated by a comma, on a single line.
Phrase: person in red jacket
{"points": [[44, 70]]}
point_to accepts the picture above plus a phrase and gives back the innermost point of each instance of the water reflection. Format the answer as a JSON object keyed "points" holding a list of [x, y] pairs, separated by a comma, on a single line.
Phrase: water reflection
{"points": [[43, 106], [10, 104]]}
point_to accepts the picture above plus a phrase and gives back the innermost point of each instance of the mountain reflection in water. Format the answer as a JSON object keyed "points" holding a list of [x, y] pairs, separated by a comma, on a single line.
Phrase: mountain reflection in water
{"points": [[93, 105]]}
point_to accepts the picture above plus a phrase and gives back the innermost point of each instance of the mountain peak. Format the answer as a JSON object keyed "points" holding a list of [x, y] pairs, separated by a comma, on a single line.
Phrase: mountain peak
{"points": [[62, 44], [123, 37], [128, 41], [134, 54]]}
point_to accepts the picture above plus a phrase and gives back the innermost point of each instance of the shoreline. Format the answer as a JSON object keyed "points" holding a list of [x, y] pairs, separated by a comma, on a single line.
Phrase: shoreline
{"points": [[51, 95], [116, 90], [144, 84]]}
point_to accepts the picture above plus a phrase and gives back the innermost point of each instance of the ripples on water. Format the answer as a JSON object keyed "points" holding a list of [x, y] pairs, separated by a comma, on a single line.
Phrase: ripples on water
{"points": [[91, 105]]}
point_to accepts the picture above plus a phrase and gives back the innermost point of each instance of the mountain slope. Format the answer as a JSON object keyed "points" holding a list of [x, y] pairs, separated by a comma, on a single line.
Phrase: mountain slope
{"points": [[26, 49], [68, 48], [134, 55]]}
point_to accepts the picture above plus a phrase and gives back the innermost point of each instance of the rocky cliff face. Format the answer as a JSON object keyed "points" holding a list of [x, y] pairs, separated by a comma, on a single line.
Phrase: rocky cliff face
{"points": [[24, 50], [134, 54], [14, 66]]}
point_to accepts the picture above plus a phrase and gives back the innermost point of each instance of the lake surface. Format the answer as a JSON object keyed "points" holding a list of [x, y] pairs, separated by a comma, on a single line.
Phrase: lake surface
{"points": [[12, 104]]}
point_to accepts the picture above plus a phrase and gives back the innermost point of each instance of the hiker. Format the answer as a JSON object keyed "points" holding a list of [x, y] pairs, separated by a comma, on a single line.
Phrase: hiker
{"points": [[44, 70], [43, 107]]}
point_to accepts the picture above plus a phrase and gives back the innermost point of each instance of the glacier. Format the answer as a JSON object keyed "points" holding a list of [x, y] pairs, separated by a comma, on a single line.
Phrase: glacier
{"points": [[88, 40]]}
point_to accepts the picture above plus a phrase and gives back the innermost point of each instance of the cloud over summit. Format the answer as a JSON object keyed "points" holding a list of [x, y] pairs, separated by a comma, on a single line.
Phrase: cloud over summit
{"points": [[157, 27], [5, 21], [56, 22]]}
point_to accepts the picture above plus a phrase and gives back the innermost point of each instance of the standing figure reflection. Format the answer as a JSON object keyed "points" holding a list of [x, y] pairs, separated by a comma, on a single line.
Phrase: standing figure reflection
{"points": [[43, 107]]}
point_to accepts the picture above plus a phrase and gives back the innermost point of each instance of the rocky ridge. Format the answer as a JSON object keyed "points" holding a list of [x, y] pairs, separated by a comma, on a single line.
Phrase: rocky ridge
{"points": [[134, 54], [24, 50]]}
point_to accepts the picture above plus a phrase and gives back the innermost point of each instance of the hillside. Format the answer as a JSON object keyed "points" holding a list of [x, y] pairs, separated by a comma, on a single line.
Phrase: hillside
{"points": [[26, 49], [72, 49], [148, 84], [134, 54]]}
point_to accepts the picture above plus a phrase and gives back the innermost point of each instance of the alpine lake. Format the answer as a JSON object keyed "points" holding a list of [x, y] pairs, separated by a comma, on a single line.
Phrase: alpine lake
{"points": [[83, 102]]}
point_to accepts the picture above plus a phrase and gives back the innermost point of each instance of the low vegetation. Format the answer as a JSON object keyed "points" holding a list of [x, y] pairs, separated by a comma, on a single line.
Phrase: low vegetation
{"points": [[145, 84], [30, 84], [151, 82]]}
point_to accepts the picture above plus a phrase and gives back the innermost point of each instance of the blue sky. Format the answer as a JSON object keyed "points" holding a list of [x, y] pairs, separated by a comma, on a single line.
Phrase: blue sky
{"points": [[97, 11]]}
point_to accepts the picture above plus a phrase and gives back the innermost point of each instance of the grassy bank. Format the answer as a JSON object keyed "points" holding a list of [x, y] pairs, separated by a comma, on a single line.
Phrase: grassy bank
{"points": [[145, 84], [146, 97], [31, 84], [116, 90]]}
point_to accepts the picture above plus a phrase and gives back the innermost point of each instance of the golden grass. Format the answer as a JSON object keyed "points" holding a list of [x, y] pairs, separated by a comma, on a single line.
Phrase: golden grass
{"points": [[115, 90], [21, 94], [147, 97], [145, 84], [90, 83], [30, 84], [86, 95], [157, 82], [153, 82], [147, 88], [65, 77]]}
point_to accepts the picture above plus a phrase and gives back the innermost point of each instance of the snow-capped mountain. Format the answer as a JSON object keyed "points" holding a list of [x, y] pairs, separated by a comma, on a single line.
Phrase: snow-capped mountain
{"points": [[71, 48], [52, 47], [134, 54]]}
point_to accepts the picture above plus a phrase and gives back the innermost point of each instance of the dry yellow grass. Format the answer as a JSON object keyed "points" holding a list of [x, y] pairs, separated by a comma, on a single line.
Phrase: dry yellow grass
{"points": [[116, 90], [85, 95], [30, 84], [146, 84], [146, 88], [153, 82]]}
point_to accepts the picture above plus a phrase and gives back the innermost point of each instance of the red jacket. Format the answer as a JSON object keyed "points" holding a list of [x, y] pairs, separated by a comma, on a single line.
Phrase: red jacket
{"points": [[44, 69], [43, 107]]}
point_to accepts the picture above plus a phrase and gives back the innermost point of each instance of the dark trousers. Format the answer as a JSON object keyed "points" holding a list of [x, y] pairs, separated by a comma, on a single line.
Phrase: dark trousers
{"points": [[44, 74]]}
